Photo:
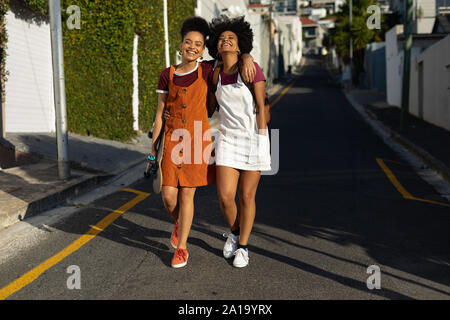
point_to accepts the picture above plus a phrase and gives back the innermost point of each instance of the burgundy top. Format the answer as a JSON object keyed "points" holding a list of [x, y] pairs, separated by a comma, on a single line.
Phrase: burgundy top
{"points": [[233, 78], [185, 80]]}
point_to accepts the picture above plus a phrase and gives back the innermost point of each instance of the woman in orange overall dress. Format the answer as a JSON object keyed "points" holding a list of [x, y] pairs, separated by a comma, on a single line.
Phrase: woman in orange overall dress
{"points": [[188, 144], [187, 136]]}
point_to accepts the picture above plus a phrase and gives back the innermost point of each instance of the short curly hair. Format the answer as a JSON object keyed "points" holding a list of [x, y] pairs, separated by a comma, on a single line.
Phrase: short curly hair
{"points": [[237, 25], [197, 24]]}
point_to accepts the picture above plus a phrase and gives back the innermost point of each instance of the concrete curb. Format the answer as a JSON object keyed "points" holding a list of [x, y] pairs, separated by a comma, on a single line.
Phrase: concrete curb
{"points": [[427, 159], [51, 200], [423, 156], [62, 196], [436, 165]]}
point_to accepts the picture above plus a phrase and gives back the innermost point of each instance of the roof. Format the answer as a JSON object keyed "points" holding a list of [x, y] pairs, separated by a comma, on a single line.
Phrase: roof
{"points": [[256, 5], [332, 18], [442, 21], [306, 21]]}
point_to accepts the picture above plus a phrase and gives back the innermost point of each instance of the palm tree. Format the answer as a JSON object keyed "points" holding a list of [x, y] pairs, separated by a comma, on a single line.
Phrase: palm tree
{"points": [[359, 32]]}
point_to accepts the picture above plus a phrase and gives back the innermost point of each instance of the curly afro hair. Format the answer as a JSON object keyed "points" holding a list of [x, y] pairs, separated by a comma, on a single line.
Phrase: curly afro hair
{"points": [[197, 24], [237, 25]]}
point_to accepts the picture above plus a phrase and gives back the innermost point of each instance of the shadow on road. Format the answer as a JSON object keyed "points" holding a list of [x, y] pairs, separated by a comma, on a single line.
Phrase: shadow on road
{"points": [[329, 191]]}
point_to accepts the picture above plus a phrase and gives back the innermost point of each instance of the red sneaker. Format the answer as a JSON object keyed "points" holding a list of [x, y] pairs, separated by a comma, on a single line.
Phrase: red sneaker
{"points": [[180, 258], [174, 236]]}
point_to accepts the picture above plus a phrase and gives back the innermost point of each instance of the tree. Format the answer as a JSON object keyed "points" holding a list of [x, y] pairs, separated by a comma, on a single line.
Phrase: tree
{"points": [[359, 32]]}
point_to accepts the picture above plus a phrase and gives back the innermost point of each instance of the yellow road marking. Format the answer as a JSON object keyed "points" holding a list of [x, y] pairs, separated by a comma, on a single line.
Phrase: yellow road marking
{"points": [[33, 274], [286, 89], [282, 93], [401, 189]]}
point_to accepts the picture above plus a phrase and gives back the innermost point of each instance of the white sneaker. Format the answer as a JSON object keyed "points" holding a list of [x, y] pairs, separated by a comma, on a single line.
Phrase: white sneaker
{"points": [[240, 258], [230, 245]]}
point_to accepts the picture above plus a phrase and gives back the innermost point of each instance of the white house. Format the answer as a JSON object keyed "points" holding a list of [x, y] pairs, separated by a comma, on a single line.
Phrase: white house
{"points": [[429, 96], [290, 37], [29, 101]]}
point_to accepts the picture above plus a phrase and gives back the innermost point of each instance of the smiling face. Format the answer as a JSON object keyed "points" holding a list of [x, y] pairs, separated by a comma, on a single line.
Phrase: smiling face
{"points": [[192, 46], [228, 43]]}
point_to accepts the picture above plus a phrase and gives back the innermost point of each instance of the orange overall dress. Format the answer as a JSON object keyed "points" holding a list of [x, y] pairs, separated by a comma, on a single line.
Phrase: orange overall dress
{"points": [[188, 142]]}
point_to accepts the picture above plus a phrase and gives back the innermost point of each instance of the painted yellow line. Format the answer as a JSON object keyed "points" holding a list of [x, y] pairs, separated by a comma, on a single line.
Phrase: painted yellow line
{"points": [[33, 274], [394, 180], [401, 189], [282, 94], [286, 89]]}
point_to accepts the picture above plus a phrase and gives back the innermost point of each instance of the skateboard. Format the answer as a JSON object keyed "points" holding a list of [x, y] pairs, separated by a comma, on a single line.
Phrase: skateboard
{"points": [[153, 169]]}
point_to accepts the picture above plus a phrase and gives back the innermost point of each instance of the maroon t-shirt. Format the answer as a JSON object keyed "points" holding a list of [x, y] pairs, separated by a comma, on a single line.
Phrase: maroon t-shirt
{"points": [[207, 70], [226, 79], [187, 79]]}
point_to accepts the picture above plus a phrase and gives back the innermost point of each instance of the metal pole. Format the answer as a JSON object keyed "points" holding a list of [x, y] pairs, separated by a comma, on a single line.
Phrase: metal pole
{"points": [[271, 52], [2, 107], [406, 65], [59, 88], [2, 110], [166, 35], [351, 43]]}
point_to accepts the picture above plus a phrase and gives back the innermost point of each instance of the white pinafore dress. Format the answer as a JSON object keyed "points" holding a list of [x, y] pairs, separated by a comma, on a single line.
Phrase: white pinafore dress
{"points": [[239, 145]]}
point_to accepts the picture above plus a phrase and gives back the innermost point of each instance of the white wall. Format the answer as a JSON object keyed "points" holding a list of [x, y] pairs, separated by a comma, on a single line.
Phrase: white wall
{"points": [[436, 84], [424, 25], [394, 67], [29, 105], [261, 39], [291, 40], [435, 106]]}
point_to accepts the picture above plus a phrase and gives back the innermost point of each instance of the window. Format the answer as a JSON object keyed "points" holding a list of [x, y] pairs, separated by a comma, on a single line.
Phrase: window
{"points": [[310, 32]]}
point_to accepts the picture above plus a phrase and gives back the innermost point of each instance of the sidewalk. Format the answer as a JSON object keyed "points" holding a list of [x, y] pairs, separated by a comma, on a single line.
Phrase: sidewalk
{"points": [[425, 140], [32, 188]]}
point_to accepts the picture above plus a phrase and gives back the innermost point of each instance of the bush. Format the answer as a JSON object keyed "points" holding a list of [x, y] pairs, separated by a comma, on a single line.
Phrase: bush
{"points": [[98, 61]]}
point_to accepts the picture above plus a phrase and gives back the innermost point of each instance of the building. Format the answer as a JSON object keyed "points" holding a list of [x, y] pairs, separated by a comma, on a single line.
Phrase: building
{"points": [[424, 13], [313, 35], [442, 24], [290, 43], [287, 7], [443, 7], [330, 6], [430, 57]]}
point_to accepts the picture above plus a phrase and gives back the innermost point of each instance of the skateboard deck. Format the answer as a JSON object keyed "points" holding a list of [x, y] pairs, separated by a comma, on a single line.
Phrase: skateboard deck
{"points": [[153, 168], [157, 177]]}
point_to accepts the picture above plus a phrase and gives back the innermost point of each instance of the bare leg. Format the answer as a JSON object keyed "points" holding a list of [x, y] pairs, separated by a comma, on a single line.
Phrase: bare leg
{"points": [[247, 193], [170, 200], [227, 180], [186, 215]]}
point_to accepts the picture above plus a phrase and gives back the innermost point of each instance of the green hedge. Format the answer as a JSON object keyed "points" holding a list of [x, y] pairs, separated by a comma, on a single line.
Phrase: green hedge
{"points": [[98, 61], [150, 28], [3, 45]]}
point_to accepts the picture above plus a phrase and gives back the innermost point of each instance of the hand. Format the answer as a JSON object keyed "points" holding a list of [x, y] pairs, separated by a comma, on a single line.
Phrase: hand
{"points": [[166, 115], [248, 69]]}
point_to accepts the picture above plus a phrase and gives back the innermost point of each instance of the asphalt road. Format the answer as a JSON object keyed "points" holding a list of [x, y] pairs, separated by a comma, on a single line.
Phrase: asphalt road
{"points": [[328, 214]]}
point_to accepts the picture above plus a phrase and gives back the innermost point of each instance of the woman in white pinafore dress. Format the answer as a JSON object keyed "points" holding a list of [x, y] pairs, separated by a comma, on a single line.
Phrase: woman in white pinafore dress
{"points": [[242, 148]]}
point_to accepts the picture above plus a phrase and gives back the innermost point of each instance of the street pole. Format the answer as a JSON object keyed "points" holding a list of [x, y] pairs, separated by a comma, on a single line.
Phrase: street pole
{"points": [[166, 35], [270, 45], [406, 65], [351, 43], [59, 89]]}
